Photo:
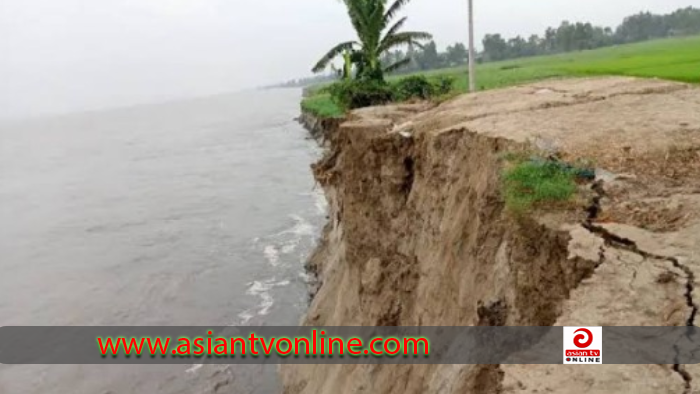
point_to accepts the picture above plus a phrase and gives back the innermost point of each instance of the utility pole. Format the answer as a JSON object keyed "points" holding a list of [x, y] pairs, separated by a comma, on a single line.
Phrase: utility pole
{"points": [[472, 60]]}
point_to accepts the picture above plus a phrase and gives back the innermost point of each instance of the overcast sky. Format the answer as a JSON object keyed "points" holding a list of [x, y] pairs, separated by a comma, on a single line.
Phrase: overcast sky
{"points": [[69, 55]]}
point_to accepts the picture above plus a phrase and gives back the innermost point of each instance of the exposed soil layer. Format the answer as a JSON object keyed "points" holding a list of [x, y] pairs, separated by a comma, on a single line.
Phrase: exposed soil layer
{"points": [[419, 234]]}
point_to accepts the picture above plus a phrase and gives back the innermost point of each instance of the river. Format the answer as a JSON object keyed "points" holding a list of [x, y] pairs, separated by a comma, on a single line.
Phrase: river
{"points": [[198, 212]]}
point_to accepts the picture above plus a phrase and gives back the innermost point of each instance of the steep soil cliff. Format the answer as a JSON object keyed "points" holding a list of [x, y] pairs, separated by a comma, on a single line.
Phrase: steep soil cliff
{"points": [[419, 233]]}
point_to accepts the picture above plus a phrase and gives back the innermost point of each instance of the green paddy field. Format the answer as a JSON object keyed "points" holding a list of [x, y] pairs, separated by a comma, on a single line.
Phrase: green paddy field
{"points": [[675, 59]]}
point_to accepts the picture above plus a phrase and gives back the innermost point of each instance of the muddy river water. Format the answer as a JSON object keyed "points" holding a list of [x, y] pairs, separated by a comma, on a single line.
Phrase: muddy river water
{"points": [[198, 212]]}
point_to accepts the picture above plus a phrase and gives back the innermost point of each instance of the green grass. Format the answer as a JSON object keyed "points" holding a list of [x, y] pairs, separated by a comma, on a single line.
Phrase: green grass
{"points": [[531, 183], [322, 106], [675, 59]]}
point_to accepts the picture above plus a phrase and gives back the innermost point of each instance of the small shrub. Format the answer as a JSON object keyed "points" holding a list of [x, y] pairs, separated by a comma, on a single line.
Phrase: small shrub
{"points": [[413, 87], [533, 182], [360, 93], [443, 85]]}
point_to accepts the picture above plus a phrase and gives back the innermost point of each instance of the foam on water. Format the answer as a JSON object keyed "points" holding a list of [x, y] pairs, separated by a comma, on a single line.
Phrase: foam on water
{"points": [[320, 202], [261, 289], [276, 251], [301, 227], [289, 247], [272, 255]]}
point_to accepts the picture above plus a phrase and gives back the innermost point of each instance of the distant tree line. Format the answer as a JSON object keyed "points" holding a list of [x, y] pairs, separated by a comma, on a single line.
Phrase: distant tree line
{"points": [[428, 57], [581, 36], [303, 82], [565, 38]]}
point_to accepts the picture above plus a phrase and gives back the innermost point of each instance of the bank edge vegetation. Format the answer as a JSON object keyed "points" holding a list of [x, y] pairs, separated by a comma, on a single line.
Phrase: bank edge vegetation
{"points": [[676, 58]]}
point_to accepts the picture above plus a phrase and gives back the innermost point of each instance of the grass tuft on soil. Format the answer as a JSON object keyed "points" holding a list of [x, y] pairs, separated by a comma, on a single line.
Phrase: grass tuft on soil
{"points": [[322, 106], [531, 183]]}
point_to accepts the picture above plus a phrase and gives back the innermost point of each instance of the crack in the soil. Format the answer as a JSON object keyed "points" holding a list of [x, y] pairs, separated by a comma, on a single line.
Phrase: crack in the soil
{"points": [[601, 256], [616, 241], [619, 242], [634, 278], [679, 369]]}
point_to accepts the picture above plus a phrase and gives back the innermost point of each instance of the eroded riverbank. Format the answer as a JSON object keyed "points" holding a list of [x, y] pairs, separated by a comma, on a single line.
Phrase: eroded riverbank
{"points": [[419, 233]]}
